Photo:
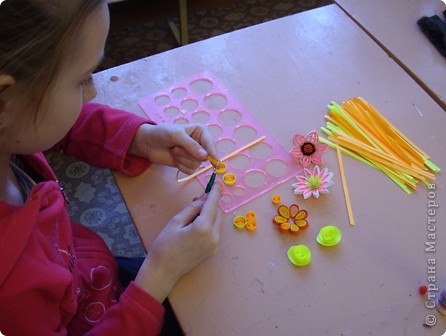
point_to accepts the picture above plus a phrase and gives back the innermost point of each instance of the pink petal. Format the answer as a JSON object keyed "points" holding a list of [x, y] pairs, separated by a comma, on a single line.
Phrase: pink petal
{"points": [[307, 172], [329, 181], [305, 161], [321, 147], [300, 190], [316, 170], [324, 174], [323, 191], [302, 187], [328, 176], [307, 194], [329, 184], [297, 184], [317, 158], [298, 140], [296, 153], [313, 137], [302, 181]]}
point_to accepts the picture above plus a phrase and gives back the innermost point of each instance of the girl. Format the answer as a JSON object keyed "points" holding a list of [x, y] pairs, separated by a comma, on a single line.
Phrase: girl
{"points": [[57, 277]]}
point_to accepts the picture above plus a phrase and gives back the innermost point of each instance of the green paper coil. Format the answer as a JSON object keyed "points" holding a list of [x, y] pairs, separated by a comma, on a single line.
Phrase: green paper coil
{"points": [[329, 235], [299, 255]]}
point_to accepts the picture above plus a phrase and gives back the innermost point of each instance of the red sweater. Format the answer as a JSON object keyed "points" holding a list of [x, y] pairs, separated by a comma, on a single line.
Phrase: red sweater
{"points": [[58, 277]]}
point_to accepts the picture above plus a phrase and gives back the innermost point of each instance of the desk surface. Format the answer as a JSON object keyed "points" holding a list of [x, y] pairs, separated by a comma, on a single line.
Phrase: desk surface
{"points": [[293, 67], [394, 24]]}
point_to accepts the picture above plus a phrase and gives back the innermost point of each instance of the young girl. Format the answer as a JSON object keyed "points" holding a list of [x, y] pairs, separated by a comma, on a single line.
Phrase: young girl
{"points": [[57, 277]]}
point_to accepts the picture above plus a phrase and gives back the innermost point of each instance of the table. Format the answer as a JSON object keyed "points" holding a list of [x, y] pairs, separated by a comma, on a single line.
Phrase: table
{"points": [[394, 25], [286, 72]]}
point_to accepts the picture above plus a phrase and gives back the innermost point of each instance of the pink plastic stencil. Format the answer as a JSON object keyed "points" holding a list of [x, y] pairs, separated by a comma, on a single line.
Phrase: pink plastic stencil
{"points": [[203, 99]]}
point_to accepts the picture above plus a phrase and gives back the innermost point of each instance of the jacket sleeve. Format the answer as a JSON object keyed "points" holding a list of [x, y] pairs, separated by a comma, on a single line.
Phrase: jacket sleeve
{"points": [[101, 137], [136, 313]]}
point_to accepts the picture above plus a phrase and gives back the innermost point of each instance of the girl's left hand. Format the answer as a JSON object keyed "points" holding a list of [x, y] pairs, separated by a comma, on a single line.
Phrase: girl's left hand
{"points": [[180, 146]]}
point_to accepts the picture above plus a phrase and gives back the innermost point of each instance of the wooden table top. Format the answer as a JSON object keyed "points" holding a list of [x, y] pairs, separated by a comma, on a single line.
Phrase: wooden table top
{"points": [[286, 72], [394, 25]]}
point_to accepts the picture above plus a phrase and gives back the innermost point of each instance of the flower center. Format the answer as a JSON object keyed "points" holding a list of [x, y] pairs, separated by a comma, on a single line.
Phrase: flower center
{"points": [[314, 182], [308, 148]]}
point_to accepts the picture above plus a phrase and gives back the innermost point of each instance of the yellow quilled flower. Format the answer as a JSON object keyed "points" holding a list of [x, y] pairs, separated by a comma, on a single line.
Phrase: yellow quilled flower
{"points": [[291, 219]]}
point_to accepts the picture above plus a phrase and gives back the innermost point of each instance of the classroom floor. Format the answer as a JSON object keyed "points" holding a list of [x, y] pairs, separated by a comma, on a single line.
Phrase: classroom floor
{"points": [[140, 28]]}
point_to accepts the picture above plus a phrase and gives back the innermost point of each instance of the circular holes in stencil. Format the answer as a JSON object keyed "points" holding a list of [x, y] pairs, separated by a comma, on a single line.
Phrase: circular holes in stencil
{"points": [[225, 146], [200, 117], [261, 151], [238, 191], [201, 86], [255, 179], [230, 117], [276, 167], [162, 100], [171, 111], [245, 134], [179, 93], [226, 198], [181, 121], [240, 162], [215, 101], [188, 105], [215, 131]]}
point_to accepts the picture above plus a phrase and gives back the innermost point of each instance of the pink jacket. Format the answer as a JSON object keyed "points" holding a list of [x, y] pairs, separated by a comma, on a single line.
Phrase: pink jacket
{"points": [[58, 277]]}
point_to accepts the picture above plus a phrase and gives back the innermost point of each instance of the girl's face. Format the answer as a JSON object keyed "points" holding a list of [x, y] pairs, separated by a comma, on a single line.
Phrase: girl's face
{"points": [[61, 106]]}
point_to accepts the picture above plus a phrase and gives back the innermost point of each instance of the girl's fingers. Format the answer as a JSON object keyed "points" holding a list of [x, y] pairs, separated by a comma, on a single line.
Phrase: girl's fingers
{"points": [[189, 213], [191, 143], [216, 228], [210, 208], [184, 161]]}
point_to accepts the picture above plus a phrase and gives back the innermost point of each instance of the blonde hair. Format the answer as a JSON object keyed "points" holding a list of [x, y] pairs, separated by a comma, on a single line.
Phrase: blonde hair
{"points": [[37, 36]]}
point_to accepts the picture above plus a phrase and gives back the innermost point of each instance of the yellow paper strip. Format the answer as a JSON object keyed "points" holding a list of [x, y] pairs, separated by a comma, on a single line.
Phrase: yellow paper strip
{"points": [[370, 153], [344, 186], [241, 149], [214, 162], [376, 113]]}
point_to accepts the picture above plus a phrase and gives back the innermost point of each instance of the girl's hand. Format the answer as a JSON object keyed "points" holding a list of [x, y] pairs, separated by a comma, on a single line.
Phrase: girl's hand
{"points": [[180, 146], [187, 240]]}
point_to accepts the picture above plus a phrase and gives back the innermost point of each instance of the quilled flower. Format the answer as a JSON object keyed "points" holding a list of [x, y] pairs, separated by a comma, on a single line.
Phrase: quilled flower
{"points": [[313, 183], [299, 255], [291, 219], [308, 149], [329, 235]]}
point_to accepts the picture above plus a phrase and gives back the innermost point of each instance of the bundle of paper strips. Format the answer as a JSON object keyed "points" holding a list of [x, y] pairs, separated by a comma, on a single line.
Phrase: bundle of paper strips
{"points": [[359, 130]]}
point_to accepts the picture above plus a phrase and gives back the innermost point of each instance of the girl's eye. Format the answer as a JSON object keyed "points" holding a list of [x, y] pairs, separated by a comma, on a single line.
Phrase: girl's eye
{"points": [[88, 81]]}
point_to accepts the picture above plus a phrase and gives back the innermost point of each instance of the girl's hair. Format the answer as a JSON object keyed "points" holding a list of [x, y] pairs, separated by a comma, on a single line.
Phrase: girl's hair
{"points": [[37, 36]]}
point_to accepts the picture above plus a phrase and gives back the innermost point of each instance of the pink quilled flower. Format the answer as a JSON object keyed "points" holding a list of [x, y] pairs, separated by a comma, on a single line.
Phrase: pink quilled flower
{"points": [[308, 149], [313, 183]]}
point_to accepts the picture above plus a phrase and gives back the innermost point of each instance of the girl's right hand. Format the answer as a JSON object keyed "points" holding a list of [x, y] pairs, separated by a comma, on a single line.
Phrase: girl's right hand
{"points": [[188, 239]]}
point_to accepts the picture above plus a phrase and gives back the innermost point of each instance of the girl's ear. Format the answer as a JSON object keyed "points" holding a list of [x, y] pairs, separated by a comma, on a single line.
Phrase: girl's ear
{"points": [[7, 83]]}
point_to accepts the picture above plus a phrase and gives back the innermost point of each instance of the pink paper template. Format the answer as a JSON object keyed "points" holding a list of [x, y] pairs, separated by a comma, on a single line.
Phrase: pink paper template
{"points": [[203, 99]]}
